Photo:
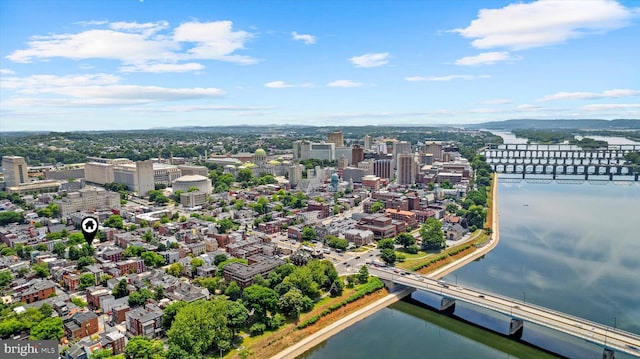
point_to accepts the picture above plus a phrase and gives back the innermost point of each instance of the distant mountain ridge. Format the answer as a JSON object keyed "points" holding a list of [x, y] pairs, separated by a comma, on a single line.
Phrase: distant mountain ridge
{"points": [[559, 124]]}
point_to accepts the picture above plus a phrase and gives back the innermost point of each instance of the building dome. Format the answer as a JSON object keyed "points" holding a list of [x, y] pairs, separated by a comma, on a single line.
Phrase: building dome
{"points": [[335, 179], [184, 183], [260, 153]]}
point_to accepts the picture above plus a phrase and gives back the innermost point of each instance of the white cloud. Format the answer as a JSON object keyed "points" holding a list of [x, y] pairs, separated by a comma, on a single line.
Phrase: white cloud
{"points": [[611, 106], [157, 68], [370, 60], [526, 25], [306, 38], [195, 108], [446, 78], [485, 58], [282, 84], [527, 107], [92, 90], [34, 82], [344, 83], [214, 40], [147, 47], [615, 93], [6, 72], [144, 28]]}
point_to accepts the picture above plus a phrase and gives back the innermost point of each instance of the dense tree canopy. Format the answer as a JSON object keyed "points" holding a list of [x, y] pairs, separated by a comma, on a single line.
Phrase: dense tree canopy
{"points": [[432, 235]]}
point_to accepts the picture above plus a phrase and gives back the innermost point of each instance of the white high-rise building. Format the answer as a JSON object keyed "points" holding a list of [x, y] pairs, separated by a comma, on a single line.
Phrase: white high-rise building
{"points": [[367, 142]]}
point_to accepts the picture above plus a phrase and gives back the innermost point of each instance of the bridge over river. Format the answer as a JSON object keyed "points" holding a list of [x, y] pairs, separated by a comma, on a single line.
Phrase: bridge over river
{"points": [[560, 161], [611, 339]]}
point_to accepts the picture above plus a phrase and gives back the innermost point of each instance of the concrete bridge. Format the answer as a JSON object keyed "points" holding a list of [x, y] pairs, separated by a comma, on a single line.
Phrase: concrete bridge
{"points": [[558, 160], [611, 339]]}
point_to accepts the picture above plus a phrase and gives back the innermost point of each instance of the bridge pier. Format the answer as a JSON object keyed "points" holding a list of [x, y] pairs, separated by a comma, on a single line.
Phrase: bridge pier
{"points": [[447, 305], [516, 326], [608, 354]]}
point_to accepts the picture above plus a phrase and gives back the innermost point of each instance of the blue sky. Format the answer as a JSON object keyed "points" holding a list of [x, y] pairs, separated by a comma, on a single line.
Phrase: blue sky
{"points": [[133, 64]]}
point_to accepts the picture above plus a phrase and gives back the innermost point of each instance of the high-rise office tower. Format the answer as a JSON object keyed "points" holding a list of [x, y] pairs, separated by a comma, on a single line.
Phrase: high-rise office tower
{"points": [[357, 154], [336, 137], [14, 169], [407, 169]]}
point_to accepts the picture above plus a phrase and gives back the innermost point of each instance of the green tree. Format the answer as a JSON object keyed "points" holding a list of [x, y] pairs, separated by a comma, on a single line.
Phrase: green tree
{"points": [[219, 258], [101, 354], [290, 304], [175, 269], [363, 274], [46, 310], [152, 259], [195, 263], [144, 348], [121, 289], [158, 197], [405, 239], [7, 217], [85, 261], [336, 288], [225, 225], [261, 299], [388, 256], [388, 243], [114, 221], [309, 234], [476, 216], [452, 208], [169, 313], [376, 207], [432, 235], [47, 329], [237, 316], [5, 278], [139, 297], [245, 175], [147, 236], [338, 243], [41, 270], [59, 249], [87, 280], [200, 327]]}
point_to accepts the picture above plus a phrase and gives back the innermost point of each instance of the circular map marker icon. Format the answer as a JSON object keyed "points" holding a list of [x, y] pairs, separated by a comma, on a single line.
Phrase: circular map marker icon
{"points": [[89, 226]]}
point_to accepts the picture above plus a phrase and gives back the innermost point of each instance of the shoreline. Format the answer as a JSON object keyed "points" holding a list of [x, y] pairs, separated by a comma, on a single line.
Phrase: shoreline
{"points": [[323, 334], [311, 341], [479, 252]]}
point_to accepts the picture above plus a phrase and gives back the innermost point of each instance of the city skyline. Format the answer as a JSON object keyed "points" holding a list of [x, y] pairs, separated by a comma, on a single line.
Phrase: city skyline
{"points": [[67, 65]]}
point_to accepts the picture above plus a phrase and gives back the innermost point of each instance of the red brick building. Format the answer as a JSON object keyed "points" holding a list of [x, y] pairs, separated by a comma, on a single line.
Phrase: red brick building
{"points": [[37, 290]]}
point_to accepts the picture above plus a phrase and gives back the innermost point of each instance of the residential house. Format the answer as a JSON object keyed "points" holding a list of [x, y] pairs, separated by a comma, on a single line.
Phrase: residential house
{"points": [[81, 324], [144, 321]]}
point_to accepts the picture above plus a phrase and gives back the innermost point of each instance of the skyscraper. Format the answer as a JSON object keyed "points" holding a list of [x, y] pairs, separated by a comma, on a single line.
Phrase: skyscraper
{"points": [[336, 137], [407, 169], [367, 142], [14, 169], [357, 154]]}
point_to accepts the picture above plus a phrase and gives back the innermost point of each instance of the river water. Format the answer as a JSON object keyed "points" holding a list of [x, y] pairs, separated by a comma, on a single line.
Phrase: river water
{"points": [[569, 247]]}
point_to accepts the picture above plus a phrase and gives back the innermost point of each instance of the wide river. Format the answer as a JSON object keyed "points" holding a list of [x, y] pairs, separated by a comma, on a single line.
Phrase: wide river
{"points": [[570, 247]]}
